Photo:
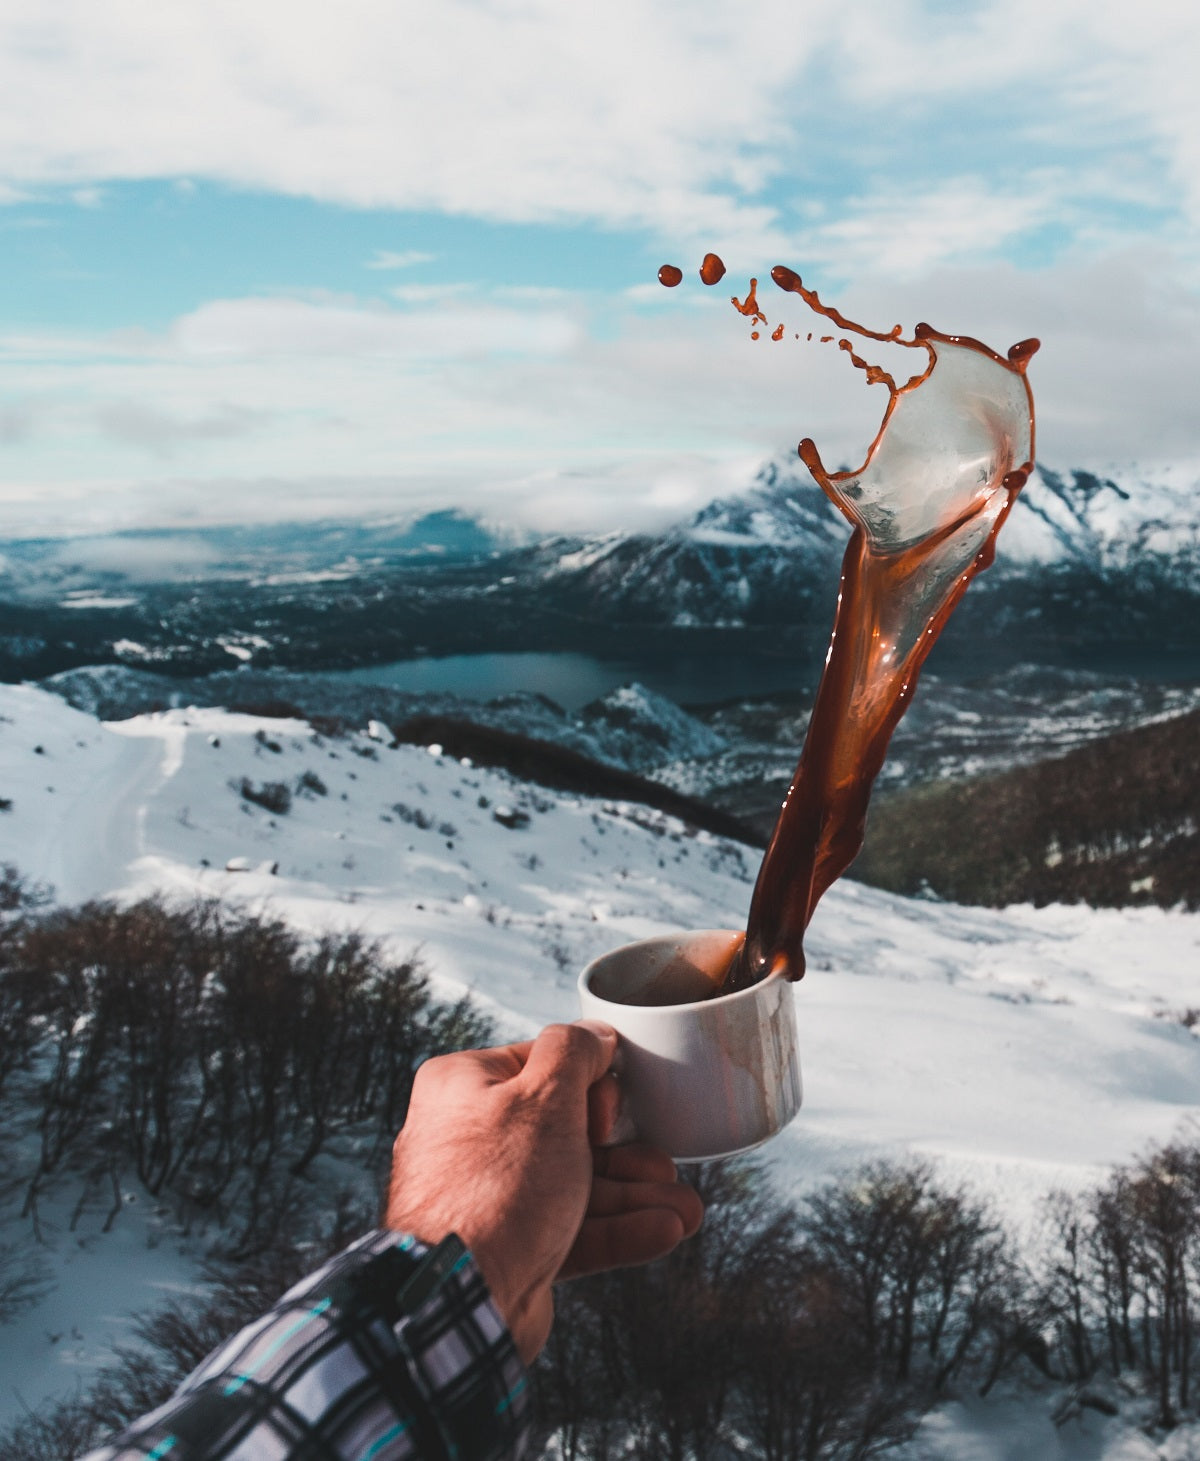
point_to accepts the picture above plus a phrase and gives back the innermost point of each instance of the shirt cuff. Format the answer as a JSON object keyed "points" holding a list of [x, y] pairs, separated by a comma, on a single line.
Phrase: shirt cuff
{"points": [[461, 1355], [350, 1361]]}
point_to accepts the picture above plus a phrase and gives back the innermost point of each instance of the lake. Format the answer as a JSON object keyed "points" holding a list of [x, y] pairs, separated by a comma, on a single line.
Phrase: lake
{"points": [[572, 680]]}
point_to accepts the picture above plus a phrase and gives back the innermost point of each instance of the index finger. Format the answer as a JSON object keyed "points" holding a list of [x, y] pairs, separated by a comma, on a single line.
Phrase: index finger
{"points": [[500, 1062], [575, 1055]]}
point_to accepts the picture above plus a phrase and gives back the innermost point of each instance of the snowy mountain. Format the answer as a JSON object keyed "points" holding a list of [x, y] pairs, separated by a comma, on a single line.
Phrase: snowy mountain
{"points": [[1127, 524], [770, 556], [82, 567], [1091, 572], [1021, 1050]]}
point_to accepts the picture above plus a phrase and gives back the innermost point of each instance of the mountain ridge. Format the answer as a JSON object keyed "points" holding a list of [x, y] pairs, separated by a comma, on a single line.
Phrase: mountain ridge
{"points": [[1099, 571]]}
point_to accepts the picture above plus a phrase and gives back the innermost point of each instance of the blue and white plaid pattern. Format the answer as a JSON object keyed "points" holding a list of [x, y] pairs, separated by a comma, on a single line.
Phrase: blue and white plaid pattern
{"points": [[336, 1372]]}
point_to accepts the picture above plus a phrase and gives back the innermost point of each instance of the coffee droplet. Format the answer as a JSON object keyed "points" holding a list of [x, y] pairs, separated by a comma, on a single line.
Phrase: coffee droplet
{"points": [[670, 275], [712, 270]]}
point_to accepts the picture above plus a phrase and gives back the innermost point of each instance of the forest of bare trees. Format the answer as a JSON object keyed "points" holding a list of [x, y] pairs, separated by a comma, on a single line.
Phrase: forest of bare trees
{"points": [[214, 1058]]}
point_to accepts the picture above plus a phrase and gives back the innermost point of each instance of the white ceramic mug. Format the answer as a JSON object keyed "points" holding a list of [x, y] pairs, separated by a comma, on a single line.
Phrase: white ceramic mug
{"points": [[700, 1076]]}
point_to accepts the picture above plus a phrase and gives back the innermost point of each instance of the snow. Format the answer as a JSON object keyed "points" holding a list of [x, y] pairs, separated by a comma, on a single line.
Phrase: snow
{"points": [[1022, 1049], [1114, 522], [592, 552], [96, 601]]}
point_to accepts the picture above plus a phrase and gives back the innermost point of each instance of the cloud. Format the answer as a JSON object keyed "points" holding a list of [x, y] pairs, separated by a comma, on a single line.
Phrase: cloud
{"points": [[706, 124], [565, 412], [148, 560], [163, 433], [257, 328], [426, 293], [637, 113], [1081, 77], [908, 232], [405, 259], [16, 423]]}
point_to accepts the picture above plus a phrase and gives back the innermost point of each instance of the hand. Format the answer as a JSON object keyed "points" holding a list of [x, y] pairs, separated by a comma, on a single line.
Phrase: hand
{"points": [[496, 1148]]}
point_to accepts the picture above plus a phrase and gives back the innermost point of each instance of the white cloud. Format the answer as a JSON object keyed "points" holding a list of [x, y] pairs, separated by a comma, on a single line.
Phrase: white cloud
{"points": [[639, 113], [427, 293], [632, 113], [907, 232], [258, 328], [162, 433], [404, 259], [1078, 74], [519, 412]]}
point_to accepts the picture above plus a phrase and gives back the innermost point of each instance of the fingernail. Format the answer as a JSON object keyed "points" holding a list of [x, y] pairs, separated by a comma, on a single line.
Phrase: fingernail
{"points": [[598, 1027]]}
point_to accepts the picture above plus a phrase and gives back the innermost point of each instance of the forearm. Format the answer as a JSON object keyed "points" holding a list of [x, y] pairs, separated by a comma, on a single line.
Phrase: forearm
{"points": [[379, 1354]]}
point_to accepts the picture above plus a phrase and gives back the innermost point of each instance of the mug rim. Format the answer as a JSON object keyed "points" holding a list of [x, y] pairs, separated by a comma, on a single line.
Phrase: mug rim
{"points": [[714, 1001]]}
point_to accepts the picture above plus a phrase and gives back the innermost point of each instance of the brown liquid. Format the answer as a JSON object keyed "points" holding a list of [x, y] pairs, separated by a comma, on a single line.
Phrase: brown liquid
{"points": [[712, 269], [670, 275], [749, 306], [954, 449]]}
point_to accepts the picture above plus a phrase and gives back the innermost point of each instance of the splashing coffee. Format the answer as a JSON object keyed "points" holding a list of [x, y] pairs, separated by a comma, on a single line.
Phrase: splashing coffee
{"points": [[954, 449]]}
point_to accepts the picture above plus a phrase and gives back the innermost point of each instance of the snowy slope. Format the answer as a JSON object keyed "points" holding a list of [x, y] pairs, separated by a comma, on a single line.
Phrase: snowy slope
{"points": [[1023, 1049]]}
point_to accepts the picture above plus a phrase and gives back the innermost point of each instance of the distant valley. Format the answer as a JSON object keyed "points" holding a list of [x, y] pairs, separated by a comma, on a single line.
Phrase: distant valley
{"points": [[1092, 573], [1085, 629]]}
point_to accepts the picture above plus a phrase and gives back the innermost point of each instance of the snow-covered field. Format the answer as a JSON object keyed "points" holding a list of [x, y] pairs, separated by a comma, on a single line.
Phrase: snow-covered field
{"points": [[1023, 1049]]}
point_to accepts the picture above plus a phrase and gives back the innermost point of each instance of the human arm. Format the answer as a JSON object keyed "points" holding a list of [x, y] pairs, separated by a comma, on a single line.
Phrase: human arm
{"points": [[496, 1149]]}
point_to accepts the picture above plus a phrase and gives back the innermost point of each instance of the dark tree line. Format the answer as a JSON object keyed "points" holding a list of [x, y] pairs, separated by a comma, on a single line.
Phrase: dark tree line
{"points": [[213, 1055], [1123, 1278], [821, 1331], [787, 1332], [1111, 823]]}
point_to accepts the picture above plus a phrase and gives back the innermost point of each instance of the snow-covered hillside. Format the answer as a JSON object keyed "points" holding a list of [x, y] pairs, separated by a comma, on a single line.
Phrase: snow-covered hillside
{"points": [[1023, 1049]]}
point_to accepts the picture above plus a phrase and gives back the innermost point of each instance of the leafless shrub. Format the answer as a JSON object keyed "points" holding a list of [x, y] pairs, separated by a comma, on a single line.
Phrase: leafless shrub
{"points": [[1123, 1276], [310, 784], [742, 1339], [24, 1280], [414, 816], [17, 892], [274, 796], [213, 1054]]}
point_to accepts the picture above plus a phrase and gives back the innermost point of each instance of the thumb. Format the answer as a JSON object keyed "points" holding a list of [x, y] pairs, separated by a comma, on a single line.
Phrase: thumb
{"points": [[573, 1056]]}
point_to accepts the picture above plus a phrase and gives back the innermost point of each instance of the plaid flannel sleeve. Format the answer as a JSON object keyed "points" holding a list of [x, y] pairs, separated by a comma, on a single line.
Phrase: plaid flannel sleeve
{"points": [[338, 1369]]}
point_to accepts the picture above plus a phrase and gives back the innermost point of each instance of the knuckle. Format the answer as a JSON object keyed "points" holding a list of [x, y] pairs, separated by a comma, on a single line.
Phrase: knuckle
{"points": [[432, 1073], [562, 1042], [570, 1044], [436, 1068]]}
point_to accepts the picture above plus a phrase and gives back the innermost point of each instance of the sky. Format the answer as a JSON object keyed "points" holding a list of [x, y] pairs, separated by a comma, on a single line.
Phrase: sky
{"points": [[290, 261]]}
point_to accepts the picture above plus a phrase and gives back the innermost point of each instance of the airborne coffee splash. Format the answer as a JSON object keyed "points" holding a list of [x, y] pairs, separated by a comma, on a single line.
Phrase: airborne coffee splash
{"points": [[954, 449]]}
